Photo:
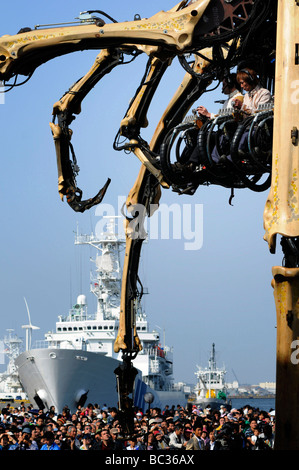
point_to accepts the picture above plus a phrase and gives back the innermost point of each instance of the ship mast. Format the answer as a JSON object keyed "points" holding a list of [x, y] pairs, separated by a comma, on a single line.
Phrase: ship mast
{"points": [[106, 282], [212, 367], [212, 360]]}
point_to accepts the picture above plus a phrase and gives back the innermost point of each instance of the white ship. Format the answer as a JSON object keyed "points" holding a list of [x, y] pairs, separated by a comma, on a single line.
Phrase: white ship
{"points": [[10, 387], [77, 362], [210, 389]]}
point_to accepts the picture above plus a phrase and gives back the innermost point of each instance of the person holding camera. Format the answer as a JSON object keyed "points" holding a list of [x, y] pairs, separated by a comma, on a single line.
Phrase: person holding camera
{"points": [[23, 442]]}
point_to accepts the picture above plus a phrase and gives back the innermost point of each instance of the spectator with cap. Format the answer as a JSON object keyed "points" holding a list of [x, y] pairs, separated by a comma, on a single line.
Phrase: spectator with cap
{"points": [[86, 442], [187, 432], [160, 442], [27, 419], [117, 444], [223, 410], [24, 440], [154, 423]]}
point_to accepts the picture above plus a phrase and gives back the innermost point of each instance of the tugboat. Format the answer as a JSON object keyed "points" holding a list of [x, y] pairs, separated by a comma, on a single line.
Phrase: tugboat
{"points": [[210, 389]]}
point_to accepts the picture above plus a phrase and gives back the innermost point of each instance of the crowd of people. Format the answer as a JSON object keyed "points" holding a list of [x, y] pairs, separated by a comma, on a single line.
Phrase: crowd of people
{"points": [[97, 427]]}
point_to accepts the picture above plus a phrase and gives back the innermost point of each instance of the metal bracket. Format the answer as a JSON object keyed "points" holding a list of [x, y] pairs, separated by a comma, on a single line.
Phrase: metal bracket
{"points": [[294, 134], [290, 317]]}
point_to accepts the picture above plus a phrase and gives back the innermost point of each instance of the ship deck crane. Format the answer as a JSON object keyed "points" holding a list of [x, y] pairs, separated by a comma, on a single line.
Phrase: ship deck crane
{"points": [[235, 376]]}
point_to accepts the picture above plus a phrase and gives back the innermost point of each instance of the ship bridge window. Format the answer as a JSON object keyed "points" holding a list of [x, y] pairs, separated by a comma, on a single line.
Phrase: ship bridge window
{"points": [[94, 327], [64, 329], [70, 328], [111, 327], [75, 328], [105, 327], [89, 327], [100, 327]]}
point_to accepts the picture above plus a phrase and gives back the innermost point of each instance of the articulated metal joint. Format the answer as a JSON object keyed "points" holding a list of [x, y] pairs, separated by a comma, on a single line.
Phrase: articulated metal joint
{"points": [[290, 248]]}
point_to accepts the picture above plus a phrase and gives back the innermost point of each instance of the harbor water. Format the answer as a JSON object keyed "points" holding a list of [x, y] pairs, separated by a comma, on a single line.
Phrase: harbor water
{"points": [[265, 404]]}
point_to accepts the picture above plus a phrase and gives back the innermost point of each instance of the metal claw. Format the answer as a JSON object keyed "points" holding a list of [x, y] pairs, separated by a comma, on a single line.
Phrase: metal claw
{"points": [[74, 195]]}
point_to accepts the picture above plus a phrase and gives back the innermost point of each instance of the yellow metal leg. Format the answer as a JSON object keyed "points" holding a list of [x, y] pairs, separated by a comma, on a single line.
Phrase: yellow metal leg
{"points": [[286, 294]]}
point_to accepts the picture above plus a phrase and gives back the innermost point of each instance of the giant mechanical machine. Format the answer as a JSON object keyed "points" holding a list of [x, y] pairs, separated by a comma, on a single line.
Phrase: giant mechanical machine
{"points": [[210, 38]]}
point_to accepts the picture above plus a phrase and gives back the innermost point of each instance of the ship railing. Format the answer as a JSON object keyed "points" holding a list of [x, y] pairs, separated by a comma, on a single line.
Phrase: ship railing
{"points": [[154, 366], [75, 316], [85, 239], [154, 352], [45, 344], [80, 239]]}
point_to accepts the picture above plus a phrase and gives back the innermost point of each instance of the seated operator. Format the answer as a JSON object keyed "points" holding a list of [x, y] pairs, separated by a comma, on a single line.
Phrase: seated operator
{"points": [[230, 87], [255, 94]]}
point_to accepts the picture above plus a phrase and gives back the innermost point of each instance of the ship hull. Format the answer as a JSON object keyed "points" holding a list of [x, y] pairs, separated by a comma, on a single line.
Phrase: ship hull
{"points": [[171, 398], [66, 377], [213, 403]]}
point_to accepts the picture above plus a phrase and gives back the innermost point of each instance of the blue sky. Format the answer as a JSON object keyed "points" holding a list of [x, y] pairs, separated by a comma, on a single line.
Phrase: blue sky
{"points": [[219, 293]]}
